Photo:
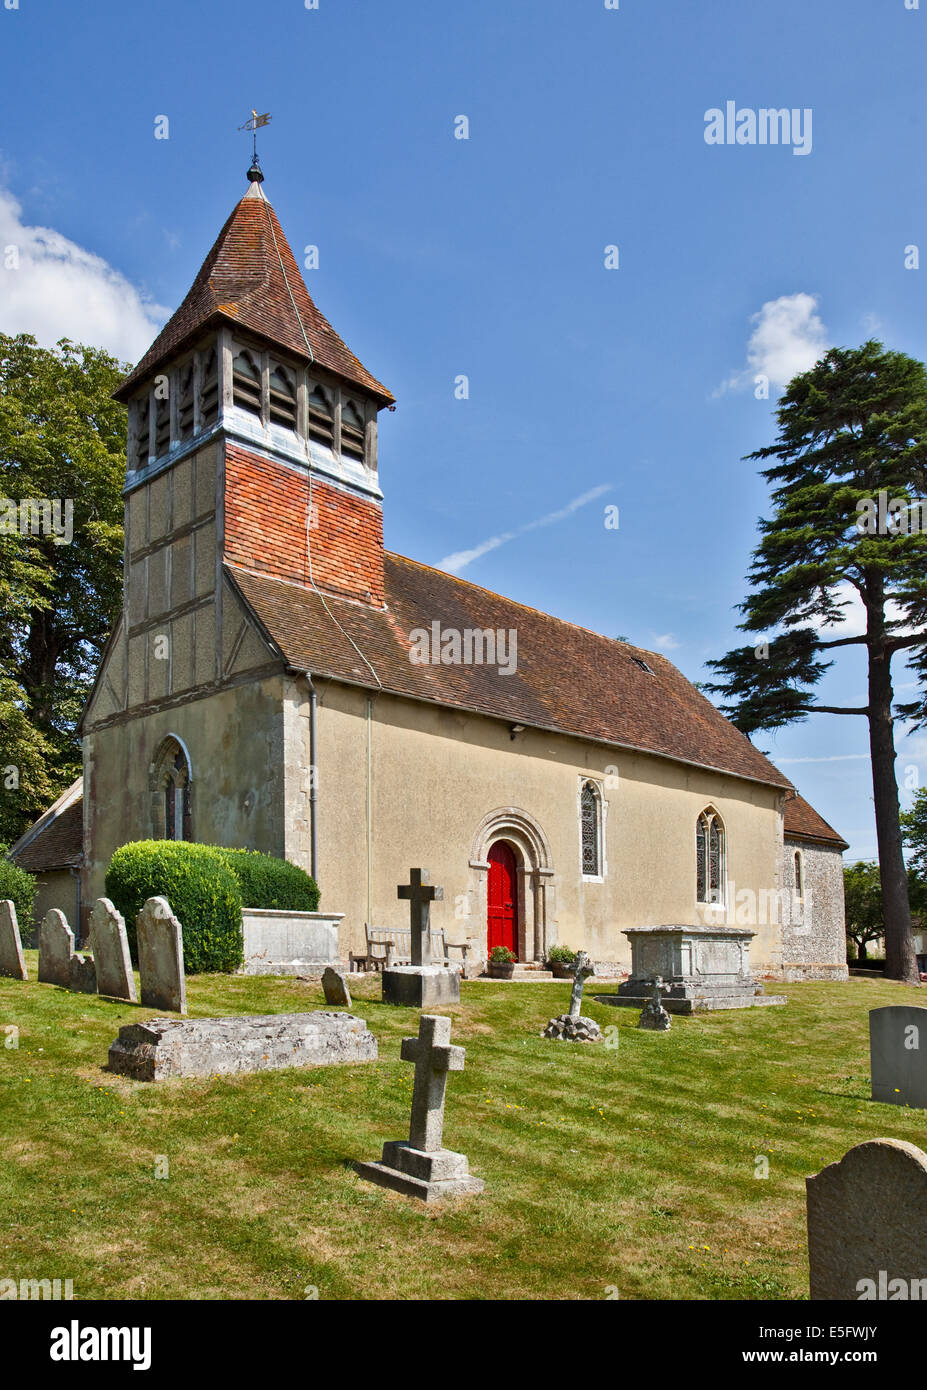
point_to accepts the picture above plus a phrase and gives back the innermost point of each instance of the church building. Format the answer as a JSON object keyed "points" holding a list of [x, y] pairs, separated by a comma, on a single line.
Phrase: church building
{"points": [[277, 680]]}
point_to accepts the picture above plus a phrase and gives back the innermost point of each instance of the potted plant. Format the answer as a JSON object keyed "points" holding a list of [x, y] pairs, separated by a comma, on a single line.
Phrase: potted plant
{"points": [[501, 963], [561, 961]]}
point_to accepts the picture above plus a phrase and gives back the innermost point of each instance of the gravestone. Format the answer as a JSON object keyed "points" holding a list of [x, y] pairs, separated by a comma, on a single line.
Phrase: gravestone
{"points": [[164, 1047], [421, 1167], [423, 983], [336, 988], [110, 946], [653, 1014], [58, 963], [898, 1055], [12, 963], [867, 1224], [572, 1027], [160, 957]]}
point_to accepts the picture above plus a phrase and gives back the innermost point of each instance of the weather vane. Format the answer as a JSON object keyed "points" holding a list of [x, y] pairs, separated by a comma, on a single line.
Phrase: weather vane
{"points": [[254, 125]]}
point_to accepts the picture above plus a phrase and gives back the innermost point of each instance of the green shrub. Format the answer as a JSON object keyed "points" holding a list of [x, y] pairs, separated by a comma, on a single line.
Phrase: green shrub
{"points": [[268, 882], [199, 885], [501, 955], [16, 884], [561, 955]]}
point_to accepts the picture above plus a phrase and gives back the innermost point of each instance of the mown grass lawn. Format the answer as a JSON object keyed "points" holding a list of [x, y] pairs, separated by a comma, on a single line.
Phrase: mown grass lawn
{"points": [[631, 1166]]}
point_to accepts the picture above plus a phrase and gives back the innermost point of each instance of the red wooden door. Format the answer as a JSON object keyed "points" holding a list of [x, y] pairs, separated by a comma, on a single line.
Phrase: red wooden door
{"points": [[503, 897]]}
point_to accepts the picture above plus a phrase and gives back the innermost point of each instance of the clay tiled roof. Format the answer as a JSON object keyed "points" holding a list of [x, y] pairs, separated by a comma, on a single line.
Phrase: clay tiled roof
{"points": [[56, 839], [567, 679], [803, 822], [242, 281]]}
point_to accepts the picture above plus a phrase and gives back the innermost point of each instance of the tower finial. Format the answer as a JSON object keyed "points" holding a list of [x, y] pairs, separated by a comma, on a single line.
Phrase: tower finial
{"points": [[254, 173]]}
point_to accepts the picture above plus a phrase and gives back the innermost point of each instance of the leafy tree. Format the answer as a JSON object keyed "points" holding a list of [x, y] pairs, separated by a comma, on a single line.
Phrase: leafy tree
{"points": [[914, 829], [852, 441], [62, 440], [862, 896]]}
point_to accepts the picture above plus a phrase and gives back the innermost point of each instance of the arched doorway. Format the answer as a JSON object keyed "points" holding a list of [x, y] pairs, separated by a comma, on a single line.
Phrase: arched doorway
{"points": [[502, 898], [535, 911]]}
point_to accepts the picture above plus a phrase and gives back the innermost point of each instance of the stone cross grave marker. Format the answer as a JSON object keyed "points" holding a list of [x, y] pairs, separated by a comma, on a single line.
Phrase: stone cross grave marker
{"points": [[572, 1027], [160, 957], [421, 1167], [11, 946], [420, 894], [110, 947], [867, 1224], [898, 1055], [653, 1014]]}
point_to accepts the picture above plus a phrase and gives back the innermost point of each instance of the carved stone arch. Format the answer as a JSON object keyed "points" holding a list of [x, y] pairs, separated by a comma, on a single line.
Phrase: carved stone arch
{"points": [[170, 779], [536, 889]]}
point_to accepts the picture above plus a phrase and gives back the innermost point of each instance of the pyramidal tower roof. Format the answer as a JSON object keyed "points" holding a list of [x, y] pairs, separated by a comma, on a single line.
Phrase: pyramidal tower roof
{"points": [[251, 279]]}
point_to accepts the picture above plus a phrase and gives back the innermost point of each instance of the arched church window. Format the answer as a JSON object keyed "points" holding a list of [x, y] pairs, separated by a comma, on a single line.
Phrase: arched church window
{"points": [[282, 399], [246, 383], [321, 417], [591, 829], [352, 432], [709, 857], [142, 431], [209, 399], [185, 402], [172, 778], [798, 871]]}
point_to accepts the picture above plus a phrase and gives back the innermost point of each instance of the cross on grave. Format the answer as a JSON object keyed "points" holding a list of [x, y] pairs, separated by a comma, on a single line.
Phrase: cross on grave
{"points": [[434, 1057], [581, 972], [420, 895]]}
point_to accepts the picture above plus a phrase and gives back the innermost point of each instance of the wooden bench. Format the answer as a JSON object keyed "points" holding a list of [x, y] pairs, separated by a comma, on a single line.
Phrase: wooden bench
{"points": [[388, 946]]}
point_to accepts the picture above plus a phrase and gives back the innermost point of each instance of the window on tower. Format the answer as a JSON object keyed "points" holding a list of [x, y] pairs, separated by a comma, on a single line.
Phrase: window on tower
{"points": [[321, 418], [282, 398], [162, 425], [246, 383], [209, 401], [352, 432], [142, 431]]}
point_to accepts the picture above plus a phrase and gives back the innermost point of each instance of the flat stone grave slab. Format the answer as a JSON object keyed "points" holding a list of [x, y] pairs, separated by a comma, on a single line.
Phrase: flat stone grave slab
{"points": [[165, 1047], [12, 963], [898, 1055]]}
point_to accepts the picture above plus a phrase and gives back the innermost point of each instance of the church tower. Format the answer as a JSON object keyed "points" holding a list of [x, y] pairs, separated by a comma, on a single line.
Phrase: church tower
{"points": [[250, 376]]}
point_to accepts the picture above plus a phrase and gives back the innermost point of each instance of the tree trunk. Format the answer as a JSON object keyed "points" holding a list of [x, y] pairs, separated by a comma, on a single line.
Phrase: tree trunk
{"points": [[861, 951], [900, 960]]}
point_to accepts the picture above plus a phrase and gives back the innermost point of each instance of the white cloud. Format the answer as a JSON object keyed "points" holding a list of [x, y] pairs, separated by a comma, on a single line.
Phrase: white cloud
{"points": [[461, 558], [667, 642], [788, 337], [853, 623], [59, 290]]}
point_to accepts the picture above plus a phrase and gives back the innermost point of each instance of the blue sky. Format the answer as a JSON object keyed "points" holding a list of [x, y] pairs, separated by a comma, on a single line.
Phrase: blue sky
{"points": [[485, 257]]}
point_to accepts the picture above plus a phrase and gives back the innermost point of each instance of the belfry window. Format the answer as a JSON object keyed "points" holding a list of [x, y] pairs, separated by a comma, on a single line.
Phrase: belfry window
{"points": [[210, 389], [246, 383], [709, 857], [142, 431], [590, 805], [282, 399], [162, 424], [352, 432], [185, 402], [321, 418]]}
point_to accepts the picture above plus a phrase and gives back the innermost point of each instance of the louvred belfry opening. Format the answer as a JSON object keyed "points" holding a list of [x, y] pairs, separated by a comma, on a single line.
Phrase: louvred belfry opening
{"points": [[249, 359]]}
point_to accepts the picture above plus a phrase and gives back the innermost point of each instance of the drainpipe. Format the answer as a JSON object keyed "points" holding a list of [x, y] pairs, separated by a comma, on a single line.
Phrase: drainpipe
{"points": [[369, 813], [313, 788]]}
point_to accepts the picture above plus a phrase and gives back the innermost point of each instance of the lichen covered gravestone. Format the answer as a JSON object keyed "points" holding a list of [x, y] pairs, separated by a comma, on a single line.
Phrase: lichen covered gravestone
{"points": [[160, 957], [12, 963], [166, 1047], [58, 963], [572, 1027], [653, 1014], [898, 1055], [867, 1224], [421, 1167], [110, 947]]}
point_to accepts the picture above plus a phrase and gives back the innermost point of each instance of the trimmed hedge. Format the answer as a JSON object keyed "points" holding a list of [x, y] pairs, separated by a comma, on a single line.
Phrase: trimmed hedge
{"points": [[16, 884], [268, 882], [201, 888]]}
